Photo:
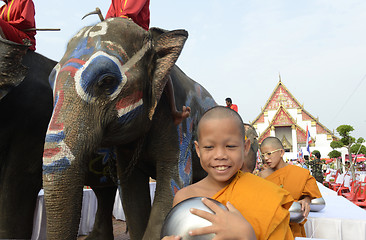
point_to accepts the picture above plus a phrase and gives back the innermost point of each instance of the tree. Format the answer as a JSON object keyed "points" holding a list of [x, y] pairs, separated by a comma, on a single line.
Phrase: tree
{"points": [[334, 154], [348, 142]]}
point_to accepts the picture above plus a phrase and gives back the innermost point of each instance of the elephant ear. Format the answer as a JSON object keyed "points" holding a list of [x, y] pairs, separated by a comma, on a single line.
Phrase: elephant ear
{"points": [[168, 47], [12, 71], [157, 32]]}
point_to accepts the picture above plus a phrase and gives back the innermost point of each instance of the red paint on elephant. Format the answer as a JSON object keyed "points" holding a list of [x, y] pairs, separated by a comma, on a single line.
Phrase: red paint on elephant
{"points": [[175, 190], [72, 66], [54, 125], [129, 103], [188, 167], [48, 153]]}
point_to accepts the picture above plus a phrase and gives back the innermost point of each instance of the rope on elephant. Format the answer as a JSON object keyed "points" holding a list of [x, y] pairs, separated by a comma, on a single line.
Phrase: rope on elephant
{"points": [[134, 160], [112, 167]]}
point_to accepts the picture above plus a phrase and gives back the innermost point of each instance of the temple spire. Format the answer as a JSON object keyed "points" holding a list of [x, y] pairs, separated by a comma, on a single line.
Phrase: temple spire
{"points": [[279, 76]]}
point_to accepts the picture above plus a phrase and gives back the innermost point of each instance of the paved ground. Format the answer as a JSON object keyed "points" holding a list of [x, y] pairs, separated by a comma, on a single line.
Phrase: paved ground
{"points": [[119, 228]]}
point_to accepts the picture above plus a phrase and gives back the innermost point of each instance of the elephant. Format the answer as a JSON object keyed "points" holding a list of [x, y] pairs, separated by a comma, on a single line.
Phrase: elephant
{"points": [[12, 70], [25, 107], [109, 93], [26, 103]]}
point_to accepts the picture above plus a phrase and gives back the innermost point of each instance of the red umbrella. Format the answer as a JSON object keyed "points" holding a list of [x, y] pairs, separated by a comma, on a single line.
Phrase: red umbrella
{"points": [[328, 160]]}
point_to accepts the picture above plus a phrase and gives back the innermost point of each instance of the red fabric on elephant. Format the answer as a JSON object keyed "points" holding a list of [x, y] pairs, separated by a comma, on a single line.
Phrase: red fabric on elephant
{"points": [[16, 16], [137, 10]]}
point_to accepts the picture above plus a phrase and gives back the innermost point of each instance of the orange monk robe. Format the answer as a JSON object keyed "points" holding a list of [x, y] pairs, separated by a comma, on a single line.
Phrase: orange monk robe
{"points": [[263, 204], [298, 182]]}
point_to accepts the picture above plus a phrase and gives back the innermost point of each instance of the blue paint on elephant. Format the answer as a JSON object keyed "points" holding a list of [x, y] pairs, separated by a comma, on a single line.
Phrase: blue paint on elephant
{"points": [[73, 64], [107, 153], [128, 117], [185, 154], [58, 137], [57, 166], [99, 68], [82, 49], [207, 102], [186, 138]]}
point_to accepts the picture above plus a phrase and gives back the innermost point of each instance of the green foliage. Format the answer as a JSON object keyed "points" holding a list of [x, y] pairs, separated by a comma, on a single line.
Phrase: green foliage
{"points": [[334, 154], [344, 132], [336, 144], [355, 147], [346, 141]]}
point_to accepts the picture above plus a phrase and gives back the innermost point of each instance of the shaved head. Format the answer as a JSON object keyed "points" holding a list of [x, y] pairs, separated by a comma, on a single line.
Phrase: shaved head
{"points": [[273, 142], [250, 160], [221, 112]]}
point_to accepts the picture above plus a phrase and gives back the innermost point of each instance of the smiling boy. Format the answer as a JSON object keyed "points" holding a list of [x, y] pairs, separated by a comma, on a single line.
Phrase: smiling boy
{"points": [[298, 181], [221, 148]]}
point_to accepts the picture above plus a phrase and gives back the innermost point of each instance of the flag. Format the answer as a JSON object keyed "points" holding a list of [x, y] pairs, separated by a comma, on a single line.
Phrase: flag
{"points": [[308, 140], [300, 155]]}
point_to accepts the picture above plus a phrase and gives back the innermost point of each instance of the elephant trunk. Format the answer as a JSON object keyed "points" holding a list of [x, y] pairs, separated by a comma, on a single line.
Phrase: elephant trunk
{"points": [[63, 200], [67, 146]]}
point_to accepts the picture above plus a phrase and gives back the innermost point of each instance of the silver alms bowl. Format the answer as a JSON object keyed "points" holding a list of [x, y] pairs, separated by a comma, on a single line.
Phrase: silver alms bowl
{"points": [[180, 220], [296, 214], [317, 204]]}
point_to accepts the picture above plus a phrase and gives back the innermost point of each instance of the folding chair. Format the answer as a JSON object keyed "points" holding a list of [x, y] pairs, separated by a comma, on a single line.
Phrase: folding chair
{"points": [[361, 198], [352, 195]]}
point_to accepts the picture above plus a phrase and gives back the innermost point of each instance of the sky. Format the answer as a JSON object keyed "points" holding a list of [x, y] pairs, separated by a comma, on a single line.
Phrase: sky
{"points": [[239, 48]]}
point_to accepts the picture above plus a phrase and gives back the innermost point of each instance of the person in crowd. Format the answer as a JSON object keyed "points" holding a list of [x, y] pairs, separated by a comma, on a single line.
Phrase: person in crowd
{"points": [[17, 22], [317, 167], [229, 104], [138, 11], [298, 181], [250, 159], [258, 209]]}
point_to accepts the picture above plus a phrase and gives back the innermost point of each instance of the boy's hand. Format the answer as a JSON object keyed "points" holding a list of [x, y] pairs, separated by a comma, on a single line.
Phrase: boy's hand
{"points": [[225, 224], [305, 206]]}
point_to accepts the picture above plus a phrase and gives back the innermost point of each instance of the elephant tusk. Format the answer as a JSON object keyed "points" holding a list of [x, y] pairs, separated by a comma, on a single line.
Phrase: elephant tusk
{"points": [[97, 11]]}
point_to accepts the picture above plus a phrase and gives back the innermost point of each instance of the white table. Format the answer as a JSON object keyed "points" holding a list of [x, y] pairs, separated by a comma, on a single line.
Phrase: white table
{"points": [[118, 212], [89, 208], [339, 220]]}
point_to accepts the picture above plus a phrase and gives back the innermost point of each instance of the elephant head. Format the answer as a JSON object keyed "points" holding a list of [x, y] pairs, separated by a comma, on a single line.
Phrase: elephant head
{"points": [[106, 90], [12, 71]]}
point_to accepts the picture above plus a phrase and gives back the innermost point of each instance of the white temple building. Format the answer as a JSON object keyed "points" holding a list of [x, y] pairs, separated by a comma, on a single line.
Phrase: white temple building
{"points": [[285, 118]]}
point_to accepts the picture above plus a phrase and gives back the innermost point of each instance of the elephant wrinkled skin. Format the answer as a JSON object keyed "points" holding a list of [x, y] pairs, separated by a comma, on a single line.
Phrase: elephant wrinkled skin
{"points": [[109, 93], [25, 110]]}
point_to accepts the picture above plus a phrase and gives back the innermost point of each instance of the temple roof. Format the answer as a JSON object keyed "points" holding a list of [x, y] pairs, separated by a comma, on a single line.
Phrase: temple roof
{"points": [[282, 118], [281, 99], [300, 133]]}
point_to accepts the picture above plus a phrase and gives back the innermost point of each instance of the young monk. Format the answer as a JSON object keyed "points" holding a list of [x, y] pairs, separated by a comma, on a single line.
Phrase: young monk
{"points": [[253, 203], [298, 181]]}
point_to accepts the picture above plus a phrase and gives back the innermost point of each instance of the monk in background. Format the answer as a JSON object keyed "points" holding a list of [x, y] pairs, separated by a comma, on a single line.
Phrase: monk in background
{"points": [[298, 181], [250, 159], [253, 203]]}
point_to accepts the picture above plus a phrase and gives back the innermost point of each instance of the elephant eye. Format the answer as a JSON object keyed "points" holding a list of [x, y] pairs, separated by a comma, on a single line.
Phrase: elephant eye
{"points": [[107, 83]]}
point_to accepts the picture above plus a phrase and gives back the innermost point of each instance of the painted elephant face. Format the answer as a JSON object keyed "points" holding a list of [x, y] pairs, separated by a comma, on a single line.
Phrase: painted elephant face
{"points": [[107, 84]]}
